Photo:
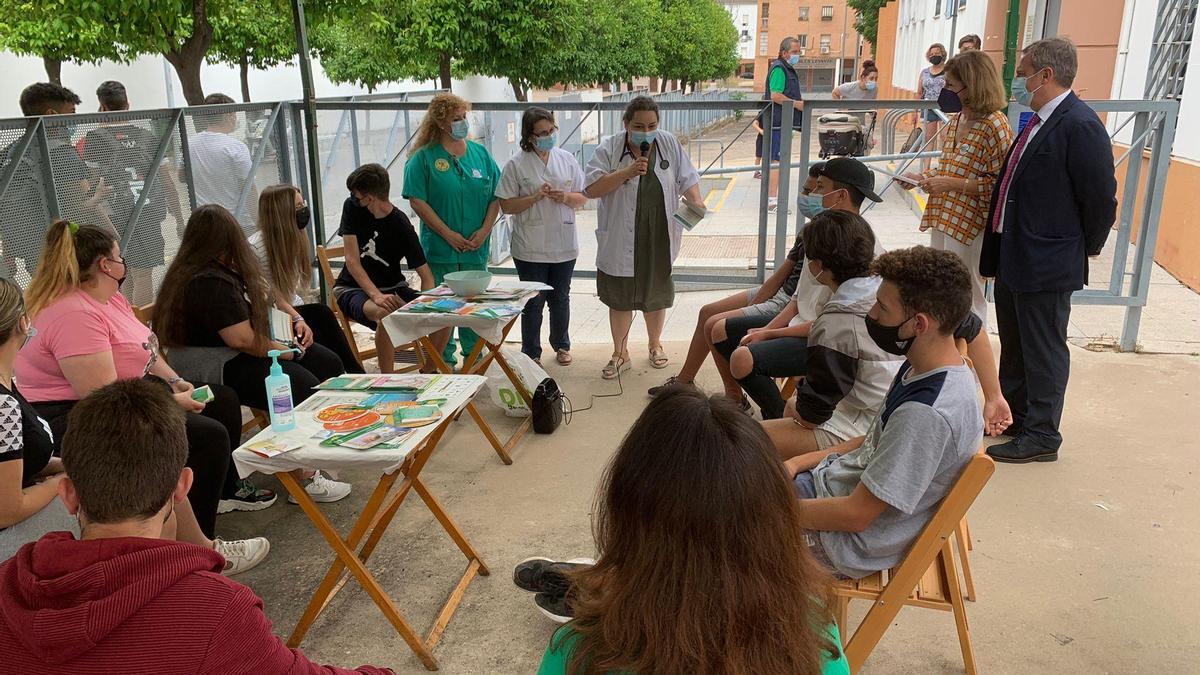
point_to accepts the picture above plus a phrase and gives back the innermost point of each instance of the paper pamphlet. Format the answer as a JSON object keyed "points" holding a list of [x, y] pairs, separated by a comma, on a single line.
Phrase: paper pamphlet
{"points": [[281, 327], [689, 215]]}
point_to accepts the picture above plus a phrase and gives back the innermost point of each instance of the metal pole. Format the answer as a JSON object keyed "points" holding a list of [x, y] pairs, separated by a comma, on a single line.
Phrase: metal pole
{"points": [[259, 153], [1128, 201], [785, 179], [310, 122], [185, 159], [48, 173], [1148, 233], [764, 191], [1011, 28], [148, 182]]}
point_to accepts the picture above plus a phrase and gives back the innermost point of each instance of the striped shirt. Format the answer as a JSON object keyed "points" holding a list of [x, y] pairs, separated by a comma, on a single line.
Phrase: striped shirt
{"points": [[979, 156]]}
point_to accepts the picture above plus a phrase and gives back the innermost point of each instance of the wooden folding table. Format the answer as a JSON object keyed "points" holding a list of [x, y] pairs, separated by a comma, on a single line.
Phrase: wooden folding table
{"points": [[405, 327], [400, 465]]}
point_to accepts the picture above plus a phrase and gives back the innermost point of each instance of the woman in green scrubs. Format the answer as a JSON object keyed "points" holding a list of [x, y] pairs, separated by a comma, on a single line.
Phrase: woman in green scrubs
{"points": [[451, 184]]}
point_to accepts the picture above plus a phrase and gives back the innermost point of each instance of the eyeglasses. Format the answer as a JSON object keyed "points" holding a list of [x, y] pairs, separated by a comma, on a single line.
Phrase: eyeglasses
{"points": [[116, 260], [546, 134]]}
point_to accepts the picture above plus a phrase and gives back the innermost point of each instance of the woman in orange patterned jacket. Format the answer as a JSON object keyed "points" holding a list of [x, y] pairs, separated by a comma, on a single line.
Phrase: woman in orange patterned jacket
{"points": [[973, 149]]}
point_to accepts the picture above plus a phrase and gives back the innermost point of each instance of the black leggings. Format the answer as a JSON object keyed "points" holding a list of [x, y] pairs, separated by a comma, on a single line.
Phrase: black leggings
{"points": [[780, 357], [327, 332], [209, 447], [247, 375]]}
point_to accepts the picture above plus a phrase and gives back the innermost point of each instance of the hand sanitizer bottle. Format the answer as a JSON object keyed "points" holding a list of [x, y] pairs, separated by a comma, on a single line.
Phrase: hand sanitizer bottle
{"points": [[279, 394]]}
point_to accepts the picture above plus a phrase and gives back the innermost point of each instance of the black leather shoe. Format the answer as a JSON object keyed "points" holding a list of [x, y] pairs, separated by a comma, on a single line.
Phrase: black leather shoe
{"points": [[1021, 450]]}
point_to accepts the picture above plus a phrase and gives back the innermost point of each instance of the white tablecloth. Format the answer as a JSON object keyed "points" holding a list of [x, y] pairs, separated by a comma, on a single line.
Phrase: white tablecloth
{"points": [[457, 389], [405, 327]]}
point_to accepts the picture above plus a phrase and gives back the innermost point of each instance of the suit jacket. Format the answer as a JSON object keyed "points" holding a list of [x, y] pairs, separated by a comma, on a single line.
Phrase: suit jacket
{"points": [[1062, 201]]}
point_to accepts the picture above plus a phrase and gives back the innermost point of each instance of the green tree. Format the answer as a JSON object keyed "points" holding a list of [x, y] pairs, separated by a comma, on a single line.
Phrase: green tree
{"points": [[56, 31], [524, 33], [866, 20], [363, 53], [249, 34], [697, 41]]}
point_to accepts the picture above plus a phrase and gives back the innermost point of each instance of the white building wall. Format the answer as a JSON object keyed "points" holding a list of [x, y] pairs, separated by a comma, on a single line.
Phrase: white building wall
{"points": [[923, 22], [152, 83], [745, 18], [1129, 78]]}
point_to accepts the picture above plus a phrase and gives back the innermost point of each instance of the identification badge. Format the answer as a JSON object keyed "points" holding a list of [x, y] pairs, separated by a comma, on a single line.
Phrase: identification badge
{"points": [[475, 173]]}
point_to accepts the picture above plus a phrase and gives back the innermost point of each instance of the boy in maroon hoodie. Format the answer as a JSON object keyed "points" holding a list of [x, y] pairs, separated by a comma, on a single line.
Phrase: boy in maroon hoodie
{"points": [[122, 599]]}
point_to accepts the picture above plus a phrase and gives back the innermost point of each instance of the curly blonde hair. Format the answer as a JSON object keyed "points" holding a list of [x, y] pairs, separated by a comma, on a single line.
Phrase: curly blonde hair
{"points": [[441, 110]]}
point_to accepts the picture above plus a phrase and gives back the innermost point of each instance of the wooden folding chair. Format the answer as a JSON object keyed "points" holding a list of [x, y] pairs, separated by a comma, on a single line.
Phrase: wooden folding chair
{"points": [[324, 255], [927, 577], [258, 418]]}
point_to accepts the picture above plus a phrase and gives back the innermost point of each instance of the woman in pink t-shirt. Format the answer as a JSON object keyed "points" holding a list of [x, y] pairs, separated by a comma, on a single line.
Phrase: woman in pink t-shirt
{"points": [[87, 336]]}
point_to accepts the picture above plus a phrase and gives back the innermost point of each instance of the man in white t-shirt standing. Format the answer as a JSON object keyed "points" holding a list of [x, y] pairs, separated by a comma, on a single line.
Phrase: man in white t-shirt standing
{"points": [[221, 164]]}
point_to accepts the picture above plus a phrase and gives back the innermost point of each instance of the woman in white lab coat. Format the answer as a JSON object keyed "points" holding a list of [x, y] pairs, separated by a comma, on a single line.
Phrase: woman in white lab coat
{"points": [[541, 187], [639, 176]]}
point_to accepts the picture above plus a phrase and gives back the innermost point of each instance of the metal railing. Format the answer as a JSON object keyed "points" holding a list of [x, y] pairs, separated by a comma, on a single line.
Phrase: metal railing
{"points": [[53, 167]]}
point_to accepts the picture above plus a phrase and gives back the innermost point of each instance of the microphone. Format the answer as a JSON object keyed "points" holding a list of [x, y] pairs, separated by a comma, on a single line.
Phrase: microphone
{"points": [[645, 147]]}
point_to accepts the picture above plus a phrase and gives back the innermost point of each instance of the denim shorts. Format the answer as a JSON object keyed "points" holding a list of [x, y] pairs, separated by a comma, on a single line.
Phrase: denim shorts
{"points": [[769, 308], [806, 488]]}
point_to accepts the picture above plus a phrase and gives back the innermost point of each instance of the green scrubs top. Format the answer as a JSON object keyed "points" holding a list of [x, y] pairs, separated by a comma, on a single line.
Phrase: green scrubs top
{"points": [[458, 190]]}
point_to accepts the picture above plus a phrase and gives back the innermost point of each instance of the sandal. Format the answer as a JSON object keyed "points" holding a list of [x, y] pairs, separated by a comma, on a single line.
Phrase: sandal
{"points": [[658, 357], [616, 365]]}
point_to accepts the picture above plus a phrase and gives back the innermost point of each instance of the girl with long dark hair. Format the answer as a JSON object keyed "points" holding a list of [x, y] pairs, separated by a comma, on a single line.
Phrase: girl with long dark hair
{"points": [[703, 564]]}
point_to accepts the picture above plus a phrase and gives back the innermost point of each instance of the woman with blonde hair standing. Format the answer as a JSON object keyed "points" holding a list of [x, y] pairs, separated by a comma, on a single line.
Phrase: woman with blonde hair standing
{"points": [[451, 184], [973, 149]]}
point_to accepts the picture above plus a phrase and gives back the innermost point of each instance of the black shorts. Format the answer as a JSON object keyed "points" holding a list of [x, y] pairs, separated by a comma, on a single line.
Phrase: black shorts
{"points": [[351, 301]]}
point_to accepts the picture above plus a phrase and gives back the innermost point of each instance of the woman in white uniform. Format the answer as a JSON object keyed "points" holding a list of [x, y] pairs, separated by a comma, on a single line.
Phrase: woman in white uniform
{"points": [[639, 176], [541, 187]]}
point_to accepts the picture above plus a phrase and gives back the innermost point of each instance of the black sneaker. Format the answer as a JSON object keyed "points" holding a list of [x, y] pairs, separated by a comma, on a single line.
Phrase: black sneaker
{"points": [[658, 389], [543, 575], [247, 498], [556, 607]]}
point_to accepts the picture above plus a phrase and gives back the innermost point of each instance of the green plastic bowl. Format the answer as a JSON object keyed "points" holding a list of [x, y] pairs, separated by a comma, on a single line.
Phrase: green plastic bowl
{"points": [[468, 282]]}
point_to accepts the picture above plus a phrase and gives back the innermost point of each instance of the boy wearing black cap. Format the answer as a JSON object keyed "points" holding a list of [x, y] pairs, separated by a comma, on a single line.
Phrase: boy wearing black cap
{"points": [[759, 350]]}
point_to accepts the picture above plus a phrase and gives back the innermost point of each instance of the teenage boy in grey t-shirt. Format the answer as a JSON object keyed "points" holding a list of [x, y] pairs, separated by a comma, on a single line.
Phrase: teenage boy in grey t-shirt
{"points": [[869, 498]]}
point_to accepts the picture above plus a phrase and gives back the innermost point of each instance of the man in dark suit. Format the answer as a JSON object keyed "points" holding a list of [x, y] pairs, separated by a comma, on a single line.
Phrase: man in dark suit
{"points": [[1051, 210]]}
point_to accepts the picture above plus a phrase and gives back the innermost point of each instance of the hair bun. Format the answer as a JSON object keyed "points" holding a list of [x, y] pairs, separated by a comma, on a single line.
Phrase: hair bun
{"points": [[868, 63]]}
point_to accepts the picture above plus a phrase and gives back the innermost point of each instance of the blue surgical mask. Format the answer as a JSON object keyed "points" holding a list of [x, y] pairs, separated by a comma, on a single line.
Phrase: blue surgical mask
{"points": [[546, 143], [639, 137], [871, 85], [811, 205], [1020, 91], [459, 129], [793, 59]]}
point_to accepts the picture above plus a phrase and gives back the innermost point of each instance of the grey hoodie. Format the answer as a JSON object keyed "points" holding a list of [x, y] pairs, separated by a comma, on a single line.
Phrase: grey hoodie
{"points": [[846, 371]]}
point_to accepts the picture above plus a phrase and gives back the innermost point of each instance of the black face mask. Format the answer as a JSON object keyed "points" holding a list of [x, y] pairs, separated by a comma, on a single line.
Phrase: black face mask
{"points": [[888, 337], [303, 215], [937, 59], [949, 102]]}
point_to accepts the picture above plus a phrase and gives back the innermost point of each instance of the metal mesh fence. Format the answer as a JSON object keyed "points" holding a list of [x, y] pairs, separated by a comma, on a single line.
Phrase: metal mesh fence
{"points": [[138, 174]]}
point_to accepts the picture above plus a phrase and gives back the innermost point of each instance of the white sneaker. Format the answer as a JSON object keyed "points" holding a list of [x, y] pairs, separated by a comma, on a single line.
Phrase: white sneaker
{"points": [[242, 554], [323, 489]]}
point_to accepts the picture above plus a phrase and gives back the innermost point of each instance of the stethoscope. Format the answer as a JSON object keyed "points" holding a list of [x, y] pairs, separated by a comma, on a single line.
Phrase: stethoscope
{"points": [[662, 161]]}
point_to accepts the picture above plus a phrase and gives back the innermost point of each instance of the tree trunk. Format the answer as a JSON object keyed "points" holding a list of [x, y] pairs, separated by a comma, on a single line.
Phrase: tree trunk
{"points": [[653, 83], [605, 87], [444, 70], [188, 71], [662, 85], [519, 90], [244, 67], [53, 69], [188, 56]]}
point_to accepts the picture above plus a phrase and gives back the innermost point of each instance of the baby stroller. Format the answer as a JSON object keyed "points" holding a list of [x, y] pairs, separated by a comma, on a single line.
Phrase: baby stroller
{"points": [[845, 134]]}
